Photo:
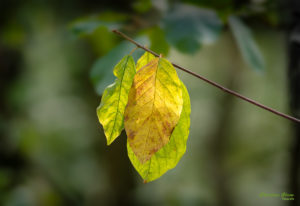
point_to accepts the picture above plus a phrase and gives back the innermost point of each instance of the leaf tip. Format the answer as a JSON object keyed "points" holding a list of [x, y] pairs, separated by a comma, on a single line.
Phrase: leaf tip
{"points": [[109, 141], [145, 181]]}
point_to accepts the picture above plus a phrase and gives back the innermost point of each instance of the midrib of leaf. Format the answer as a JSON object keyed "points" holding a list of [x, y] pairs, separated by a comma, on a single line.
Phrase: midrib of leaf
{"points": [[118, 112], [149, 166], [151, 114], [152, 106]]}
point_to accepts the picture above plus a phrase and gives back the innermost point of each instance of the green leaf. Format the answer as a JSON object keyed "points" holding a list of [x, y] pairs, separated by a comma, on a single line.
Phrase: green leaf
{"points": [[114, 99], [168, 156], [101, 74], [188, 27], [158, 41], [110, 20], [246, 43], [142, 6]]}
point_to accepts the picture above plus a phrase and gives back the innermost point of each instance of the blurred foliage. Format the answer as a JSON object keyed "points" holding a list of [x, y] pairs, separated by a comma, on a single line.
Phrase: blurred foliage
{"points": [[188, 27], [158, 41], [183, 26], [52, 148], [247, 46], [110, 20]]}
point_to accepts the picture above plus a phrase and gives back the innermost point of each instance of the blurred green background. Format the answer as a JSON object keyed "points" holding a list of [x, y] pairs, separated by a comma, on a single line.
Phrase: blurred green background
{"points": [[56, 57]]}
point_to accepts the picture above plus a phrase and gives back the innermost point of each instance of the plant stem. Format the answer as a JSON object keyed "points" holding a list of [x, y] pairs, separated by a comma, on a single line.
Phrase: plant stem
{"points": [[212, 82]]}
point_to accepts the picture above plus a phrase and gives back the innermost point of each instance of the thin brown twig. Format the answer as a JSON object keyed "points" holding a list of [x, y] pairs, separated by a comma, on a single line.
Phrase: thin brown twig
{"points": [[294, 119]]}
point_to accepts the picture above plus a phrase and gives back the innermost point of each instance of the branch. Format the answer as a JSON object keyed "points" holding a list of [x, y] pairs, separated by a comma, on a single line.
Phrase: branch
{"points": [[212, 82]]}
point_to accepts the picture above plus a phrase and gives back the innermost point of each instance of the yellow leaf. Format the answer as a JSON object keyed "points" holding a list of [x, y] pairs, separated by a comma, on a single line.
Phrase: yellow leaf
{"points": [[143, 60], [154, 107], [168, 156]]}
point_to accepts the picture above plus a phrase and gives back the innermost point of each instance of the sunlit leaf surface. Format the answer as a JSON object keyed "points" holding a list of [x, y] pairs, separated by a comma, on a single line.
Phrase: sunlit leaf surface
{"points": [[168, 156], [114, 99], [153, 109], [144, 60]]}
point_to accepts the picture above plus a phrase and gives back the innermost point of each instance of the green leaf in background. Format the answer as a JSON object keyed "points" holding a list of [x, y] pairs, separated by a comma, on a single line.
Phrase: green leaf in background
{"points": [[246, 44], [114, 99], [13, 35], [169, 155], [211, 3], [102, 40], [101, 74], [158, 40], [87, 25], [142, 6], [188, 27]]}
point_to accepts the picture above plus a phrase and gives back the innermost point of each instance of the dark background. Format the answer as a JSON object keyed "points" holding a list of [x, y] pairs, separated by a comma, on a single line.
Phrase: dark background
{"points": [[53, 150]]}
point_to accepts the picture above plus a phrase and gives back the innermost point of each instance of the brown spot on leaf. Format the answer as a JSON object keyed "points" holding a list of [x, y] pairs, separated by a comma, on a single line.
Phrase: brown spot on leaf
{"points": [[153, 151], [126, 118]]}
